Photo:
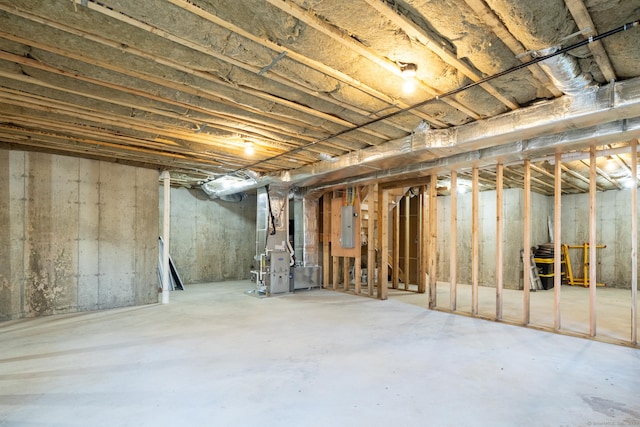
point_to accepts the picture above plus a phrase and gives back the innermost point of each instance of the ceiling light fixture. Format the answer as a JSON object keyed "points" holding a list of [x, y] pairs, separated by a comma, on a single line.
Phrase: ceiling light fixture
{"points": [[630, 183], [408, 70], [409, 86], [248, 149]]}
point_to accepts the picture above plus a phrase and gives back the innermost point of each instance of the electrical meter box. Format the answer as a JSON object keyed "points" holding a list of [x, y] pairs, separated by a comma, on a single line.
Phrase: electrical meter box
{"points": [[348, 223]]}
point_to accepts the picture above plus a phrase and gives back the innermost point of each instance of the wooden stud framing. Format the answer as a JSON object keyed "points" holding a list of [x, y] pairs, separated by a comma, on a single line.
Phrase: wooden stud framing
{"points": [[475, 250], [526, 254], [395, 278], [407, 239], [433, 240], [425, 255], [453, 242], [346, 263], [592, 241], [634, 242], [499, 234], [557, 242], [383, 242], [326, 237], [336, 270], [371, 237], [357, 262], [357, 274]]}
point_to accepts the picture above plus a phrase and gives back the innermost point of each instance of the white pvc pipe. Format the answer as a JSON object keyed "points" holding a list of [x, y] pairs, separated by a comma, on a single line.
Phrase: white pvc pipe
{"points": [[166, 178]]}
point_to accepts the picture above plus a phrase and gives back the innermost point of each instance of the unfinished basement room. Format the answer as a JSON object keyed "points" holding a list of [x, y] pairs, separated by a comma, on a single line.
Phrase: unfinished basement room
{"points": [[319, 213]]}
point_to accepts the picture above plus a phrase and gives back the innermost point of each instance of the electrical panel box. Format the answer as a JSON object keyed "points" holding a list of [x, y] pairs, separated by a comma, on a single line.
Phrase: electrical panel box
{"points": [[348, 222]]}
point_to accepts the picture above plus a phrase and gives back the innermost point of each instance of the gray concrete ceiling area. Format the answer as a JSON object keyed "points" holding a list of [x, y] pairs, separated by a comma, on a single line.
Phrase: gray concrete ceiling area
{"points": [[317, 88]]}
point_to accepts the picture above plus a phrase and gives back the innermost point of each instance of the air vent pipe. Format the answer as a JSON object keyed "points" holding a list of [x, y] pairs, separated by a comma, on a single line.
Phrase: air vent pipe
{"points": [[565, 72]]}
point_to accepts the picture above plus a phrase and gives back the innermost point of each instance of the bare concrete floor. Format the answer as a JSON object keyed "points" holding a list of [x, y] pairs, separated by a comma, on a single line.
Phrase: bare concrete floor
{"points": [[613, 313], [216, 356]]}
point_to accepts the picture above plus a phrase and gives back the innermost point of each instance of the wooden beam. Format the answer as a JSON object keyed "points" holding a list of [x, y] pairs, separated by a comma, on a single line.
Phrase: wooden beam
{"points": [[603, 174], [634, 242], [425, 254], [592, 241], [371, 237], [552, 176], [383, 242], [579, 177], [346, 264], [475, 242], [499, 29], [557, 242], [407, 240], [336, 272], [533, 179], [326, 238], [291, 54], [313, 21], [357, 274], [499, 238], [176, 87], [413, 31], [207, 50], [526, 257], [583, 20], [433, 241], [395, 278], [187, 136], [357, 262], [453, 242]]}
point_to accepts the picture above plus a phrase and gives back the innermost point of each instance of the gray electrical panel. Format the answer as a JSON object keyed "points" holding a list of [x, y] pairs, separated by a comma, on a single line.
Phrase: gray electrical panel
{"points": [[348, 222]]}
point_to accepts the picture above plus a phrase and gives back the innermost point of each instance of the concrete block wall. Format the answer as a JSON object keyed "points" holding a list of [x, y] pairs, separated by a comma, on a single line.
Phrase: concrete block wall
{"points": [[211, 240], [77, 235], [613, 229], [512, 235]]}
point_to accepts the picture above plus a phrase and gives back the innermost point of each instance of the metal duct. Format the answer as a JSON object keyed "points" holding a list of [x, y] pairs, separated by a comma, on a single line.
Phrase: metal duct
{"points": [[540, 147], [235, 197], [262, 221], [311, 216], [565, 72], [278, 221], [550, 120]]}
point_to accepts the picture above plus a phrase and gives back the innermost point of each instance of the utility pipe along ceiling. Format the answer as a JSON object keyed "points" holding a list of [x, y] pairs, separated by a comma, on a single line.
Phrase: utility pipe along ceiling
{"points": [[315, 93]]}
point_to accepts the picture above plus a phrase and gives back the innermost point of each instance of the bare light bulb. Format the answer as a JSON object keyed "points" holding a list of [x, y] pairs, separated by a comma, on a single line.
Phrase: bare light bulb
{"points": [[248, 149], [409, 86]]}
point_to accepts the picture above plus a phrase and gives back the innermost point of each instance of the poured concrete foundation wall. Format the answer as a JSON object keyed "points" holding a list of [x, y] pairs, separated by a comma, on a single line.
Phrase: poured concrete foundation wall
{"points": [[613, 223], [76, 235], [211, 240], [513, 214]]}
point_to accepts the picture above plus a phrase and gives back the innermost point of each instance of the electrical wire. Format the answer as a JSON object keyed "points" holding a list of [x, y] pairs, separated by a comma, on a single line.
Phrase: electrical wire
{"points": [[518, 67]]}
